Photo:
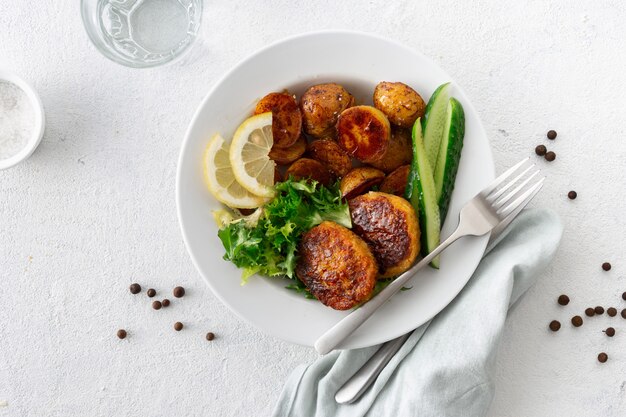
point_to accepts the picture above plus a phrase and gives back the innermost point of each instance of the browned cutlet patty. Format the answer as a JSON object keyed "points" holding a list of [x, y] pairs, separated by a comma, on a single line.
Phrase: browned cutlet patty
{"points": [[336, 265], [389, 226]]}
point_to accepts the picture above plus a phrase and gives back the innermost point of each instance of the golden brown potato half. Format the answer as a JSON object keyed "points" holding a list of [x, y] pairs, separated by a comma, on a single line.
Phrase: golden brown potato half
{"points": [[363, 132], [359, 181], [395, 183], [400, 103], [285, 156], [310, 168], [398, 152], [389, 226], [330, 154], [286, 117], [321, 106], [336, 265]]}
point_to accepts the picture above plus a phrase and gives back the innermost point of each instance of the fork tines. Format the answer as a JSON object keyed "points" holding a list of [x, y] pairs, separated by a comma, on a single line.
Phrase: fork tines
{"points": [[513, 187]]}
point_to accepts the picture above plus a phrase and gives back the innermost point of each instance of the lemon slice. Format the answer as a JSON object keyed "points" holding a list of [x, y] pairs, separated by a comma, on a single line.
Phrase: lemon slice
{"points": [[221, 180], [249, 155]]}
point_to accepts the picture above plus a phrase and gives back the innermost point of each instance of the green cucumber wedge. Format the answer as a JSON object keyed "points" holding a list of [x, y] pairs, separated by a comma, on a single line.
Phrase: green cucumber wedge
{"points": [[420, 191], [434, 122], [449, 155]]}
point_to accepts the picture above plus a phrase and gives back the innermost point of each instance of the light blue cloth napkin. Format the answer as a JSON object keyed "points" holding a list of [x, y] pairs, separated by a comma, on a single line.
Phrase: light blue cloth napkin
{"points": [[445, 367]]}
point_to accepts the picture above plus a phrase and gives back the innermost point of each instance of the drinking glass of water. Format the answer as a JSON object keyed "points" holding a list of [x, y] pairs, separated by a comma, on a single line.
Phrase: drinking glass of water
{"points": [[142, 33]]}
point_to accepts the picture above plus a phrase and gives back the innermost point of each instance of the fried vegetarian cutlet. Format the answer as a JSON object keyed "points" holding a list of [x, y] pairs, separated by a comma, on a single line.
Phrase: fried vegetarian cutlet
{"points": [[336, 265], [389, 225]]}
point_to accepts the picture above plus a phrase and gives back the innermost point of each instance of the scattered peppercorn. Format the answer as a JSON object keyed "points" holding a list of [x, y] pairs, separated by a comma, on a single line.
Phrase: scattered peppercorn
{"points": [[590, 312], [541, 150], [179, 292], [121, 333], [135, 288], [606, 266], [157, 305], [563, 300], [210, 336], [577, 321], [602, 357], [610, 332], [178, 326], [165, 302], [551, 134], [624, 296], [611, 311], [555, 325], [599, 310], [550, 156], [623, 313], [572, 195], [151, 292]]}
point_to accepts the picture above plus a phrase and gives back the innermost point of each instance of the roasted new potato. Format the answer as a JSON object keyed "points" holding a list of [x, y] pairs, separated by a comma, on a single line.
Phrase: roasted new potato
{"points": [[285, 156], [310, 168], [359, 181], [398, 151], [395, 183], [364, 133], [321, 105], [336, 265], [400, 103], [330, 154], [286, 117], [389, 226]]}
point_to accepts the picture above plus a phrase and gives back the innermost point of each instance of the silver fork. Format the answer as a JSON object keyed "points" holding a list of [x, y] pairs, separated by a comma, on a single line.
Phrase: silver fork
{"points": [[478, 217]]}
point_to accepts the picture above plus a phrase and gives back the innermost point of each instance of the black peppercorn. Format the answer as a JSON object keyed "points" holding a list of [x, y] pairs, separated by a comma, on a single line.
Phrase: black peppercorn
{"points": [[135, 288], [179, 292], [541, 150], [555, 325]]}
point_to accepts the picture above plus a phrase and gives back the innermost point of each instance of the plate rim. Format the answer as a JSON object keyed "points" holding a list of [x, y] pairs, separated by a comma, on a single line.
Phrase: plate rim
{"points": [[187, 137]]}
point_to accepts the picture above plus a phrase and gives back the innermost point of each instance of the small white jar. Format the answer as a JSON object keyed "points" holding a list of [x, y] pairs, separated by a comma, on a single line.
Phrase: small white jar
{"points": [[38, 124]]}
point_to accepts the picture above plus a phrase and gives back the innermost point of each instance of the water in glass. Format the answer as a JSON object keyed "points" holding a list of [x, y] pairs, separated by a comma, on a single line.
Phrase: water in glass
{"points": [[148, 31]]}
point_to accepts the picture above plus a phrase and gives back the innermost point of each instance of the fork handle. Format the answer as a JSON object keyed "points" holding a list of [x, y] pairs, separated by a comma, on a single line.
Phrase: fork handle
{"points": [[366, 375], [340, 331]]}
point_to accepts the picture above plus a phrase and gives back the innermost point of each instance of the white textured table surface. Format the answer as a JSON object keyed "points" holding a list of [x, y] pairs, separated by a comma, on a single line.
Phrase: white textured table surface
{"points": [[93, 209]]}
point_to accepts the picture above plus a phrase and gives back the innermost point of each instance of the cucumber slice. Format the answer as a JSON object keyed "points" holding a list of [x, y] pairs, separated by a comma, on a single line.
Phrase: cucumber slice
{"points": [[449, 155], [434, 122], [420, 191]]}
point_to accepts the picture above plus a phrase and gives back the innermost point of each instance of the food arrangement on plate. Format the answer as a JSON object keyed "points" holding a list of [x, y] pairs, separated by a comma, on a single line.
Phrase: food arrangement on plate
{"points": [[337, 196]]}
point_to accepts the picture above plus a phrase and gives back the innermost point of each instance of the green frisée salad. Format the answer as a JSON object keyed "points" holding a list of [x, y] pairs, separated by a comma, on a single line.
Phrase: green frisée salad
{"points": [[266, 241]]}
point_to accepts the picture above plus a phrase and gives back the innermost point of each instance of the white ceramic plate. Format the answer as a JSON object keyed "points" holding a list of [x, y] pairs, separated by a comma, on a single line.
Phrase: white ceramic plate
{"points": [[358, 62]]}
